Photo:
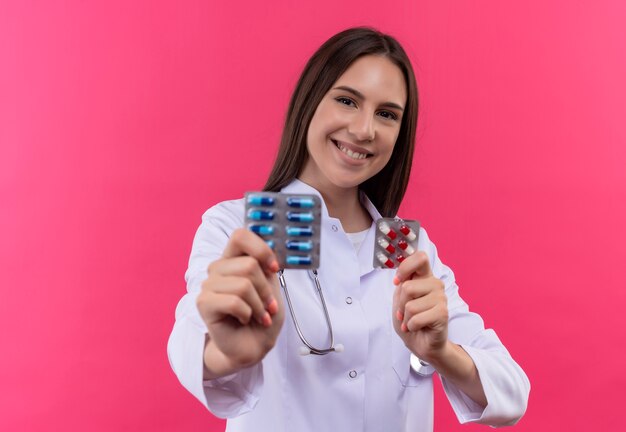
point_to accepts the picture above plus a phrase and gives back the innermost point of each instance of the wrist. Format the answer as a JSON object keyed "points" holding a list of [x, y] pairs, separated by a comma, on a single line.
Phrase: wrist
{"points": [[453, 363], [215, 364], [441, 356]]}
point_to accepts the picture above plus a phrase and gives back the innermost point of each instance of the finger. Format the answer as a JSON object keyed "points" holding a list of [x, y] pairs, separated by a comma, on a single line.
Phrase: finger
{"points": [[273, 307], [245, 242], [215, 307], [429, 318], [248, 267], [408, 291], [417, 306], [416, 265], [245, 289], [416, 288], [430, 291], [398, 306]]}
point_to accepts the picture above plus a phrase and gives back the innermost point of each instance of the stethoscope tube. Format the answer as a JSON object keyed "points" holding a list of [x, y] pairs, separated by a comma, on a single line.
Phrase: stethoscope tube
{"points": [[418, 365], [310, 349]]}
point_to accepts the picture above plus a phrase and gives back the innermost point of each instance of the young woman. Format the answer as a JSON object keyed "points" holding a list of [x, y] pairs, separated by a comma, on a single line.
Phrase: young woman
{"points": [[349, 138]]}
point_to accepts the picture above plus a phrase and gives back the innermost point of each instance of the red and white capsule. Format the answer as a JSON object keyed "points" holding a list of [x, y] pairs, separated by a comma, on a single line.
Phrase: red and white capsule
{"points": [[384, 260], [386, 245], [400, 258], [385, 229], [406, 247], [408, 232]]}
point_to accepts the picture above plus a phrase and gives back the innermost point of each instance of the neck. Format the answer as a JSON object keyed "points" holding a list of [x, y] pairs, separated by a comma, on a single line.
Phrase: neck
{"points": [[345, 205]]}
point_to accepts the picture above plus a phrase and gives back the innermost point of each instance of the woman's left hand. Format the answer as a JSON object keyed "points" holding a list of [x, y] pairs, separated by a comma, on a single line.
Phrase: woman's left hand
{"points": [[420, 308]]}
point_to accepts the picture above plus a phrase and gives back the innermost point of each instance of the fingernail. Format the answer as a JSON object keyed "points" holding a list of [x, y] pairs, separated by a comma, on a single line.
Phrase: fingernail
{"points": [[399, 315], [272, 306], [404, 328], [396, 281], [267, 320], [273, 265]]}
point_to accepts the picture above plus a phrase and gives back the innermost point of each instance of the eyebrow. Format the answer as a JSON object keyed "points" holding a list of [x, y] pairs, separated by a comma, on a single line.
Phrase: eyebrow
{"points": [[360, 96]]}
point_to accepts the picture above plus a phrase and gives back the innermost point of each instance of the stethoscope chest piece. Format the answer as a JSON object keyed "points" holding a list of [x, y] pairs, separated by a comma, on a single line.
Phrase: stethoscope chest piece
{"points": [[420, 366]]}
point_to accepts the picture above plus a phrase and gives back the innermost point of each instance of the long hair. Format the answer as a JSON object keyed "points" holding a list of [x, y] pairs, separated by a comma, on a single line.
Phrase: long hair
{"points": [[386, 189]]}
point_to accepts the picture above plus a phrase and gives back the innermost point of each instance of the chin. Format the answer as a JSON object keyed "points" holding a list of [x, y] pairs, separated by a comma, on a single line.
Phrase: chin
{"points": [[347, 183]]}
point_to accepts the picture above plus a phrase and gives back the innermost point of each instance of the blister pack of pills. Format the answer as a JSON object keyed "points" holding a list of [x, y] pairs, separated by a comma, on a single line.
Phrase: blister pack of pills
{"points": [[289, 223], [395, 240]]}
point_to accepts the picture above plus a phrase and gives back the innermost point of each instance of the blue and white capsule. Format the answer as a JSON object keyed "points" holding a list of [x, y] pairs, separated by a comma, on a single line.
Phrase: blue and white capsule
{"points": [[304, 246], [260, 200], [296, 231], [262, 229], [260, 215], [299, 260], [300, 216], [300, 202]]}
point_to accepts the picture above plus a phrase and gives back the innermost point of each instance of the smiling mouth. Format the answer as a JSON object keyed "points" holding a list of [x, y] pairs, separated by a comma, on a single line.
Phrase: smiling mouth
{"points": [[350, 153]]}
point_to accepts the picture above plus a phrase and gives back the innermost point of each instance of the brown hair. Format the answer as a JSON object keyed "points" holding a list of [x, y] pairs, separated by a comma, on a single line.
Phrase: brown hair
{"points": [[386, 189]]}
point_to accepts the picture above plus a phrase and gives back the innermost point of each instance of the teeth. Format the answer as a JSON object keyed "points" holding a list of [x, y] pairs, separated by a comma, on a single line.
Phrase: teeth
{"points": [[353, 155]]}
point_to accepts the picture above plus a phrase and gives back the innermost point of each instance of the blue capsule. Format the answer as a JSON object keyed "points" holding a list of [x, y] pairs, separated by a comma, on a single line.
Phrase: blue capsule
{"points": [[300, 202], [299, 260], [260, 214], [262, 229], [299, 245], [296, 231], [270, 243], [260, 200], [300, 217]]}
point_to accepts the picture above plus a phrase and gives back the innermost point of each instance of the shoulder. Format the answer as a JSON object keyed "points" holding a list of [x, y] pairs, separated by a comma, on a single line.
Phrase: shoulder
{"points": [[227, 215], [439, 269], [424, 243]]}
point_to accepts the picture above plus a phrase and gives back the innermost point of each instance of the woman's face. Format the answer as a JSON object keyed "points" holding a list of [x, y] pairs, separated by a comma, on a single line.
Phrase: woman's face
{"points": [[355, 126]]}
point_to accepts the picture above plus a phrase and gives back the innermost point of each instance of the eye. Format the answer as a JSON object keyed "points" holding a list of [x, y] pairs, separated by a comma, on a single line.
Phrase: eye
{"points": [[389, 115], [345, 101]]}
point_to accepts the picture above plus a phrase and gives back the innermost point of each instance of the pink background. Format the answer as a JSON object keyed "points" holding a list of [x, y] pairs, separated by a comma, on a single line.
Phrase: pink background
{"points": [[121, 122]]}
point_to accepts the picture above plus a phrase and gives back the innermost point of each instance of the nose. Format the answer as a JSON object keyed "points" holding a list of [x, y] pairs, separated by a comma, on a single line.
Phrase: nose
{"points": [[362, 126]]}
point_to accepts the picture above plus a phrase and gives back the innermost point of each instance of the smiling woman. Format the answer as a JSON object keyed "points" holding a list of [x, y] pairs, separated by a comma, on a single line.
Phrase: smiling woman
{"points": [[371, 75], [348, 138], [350, 141]]}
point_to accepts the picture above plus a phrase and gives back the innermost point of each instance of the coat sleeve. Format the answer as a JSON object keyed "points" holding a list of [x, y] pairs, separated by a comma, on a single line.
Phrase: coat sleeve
{"points": [[228, 396], [505, 384]]}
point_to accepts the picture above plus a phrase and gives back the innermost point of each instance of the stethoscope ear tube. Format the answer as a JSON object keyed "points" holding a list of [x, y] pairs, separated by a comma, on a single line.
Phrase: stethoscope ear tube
{"points": [[308, 348]]}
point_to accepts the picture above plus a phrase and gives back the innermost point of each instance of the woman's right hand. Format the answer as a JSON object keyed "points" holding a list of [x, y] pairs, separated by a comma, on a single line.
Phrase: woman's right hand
{"points": [[241, 305]]}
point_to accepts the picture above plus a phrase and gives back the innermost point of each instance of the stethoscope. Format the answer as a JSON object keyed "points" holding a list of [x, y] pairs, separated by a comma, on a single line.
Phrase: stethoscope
{"points": [[308, 348], [418, 365]]}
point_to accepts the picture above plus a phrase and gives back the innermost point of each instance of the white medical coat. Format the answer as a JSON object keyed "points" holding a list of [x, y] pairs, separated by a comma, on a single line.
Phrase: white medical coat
{"points": [[368, 387]]}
